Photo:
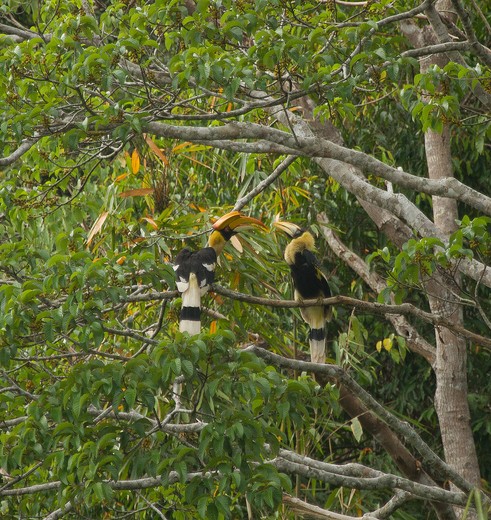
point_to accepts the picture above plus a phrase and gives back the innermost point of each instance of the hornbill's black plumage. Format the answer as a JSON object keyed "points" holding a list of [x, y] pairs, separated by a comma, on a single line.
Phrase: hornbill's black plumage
{"points": [[309, 283], [195, 270]]}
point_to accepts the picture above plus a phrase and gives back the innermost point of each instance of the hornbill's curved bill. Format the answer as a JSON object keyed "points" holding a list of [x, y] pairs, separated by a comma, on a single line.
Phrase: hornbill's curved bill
{"points": [[195, 270], [309, 283]]}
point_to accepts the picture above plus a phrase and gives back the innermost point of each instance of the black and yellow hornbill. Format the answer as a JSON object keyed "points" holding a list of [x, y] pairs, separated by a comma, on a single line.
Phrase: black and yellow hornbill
{"points": [[195, 270], [309, 283]]}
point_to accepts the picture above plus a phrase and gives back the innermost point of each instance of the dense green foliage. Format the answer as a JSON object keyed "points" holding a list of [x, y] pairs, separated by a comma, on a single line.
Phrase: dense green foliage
{"points": [[98, 204]]}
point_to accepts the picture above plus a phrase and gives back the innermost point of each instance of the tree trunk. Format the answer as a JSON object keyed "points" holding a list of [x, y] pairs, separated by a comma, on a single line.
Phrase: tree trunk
{"points": [[451, 397], [451, 402]]}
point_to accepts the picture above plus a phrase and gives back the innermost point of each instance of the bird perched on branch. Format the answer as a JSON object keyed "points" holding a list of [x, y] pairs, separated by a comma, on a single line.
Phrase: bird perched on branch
{"points": [[309, 283], [195, 270]]}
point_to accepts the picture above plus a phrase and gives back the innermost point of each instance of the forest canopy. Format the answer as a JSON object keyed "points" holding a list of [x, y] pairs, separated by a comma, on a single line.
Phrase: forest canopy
{"points": [[128, 129]]}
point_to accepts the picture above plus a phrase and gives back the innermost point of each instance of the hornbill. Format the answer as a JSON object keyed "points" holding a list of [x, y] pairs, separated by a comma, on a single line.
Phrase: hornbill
{"points": [[195, 270], [309, 283]]}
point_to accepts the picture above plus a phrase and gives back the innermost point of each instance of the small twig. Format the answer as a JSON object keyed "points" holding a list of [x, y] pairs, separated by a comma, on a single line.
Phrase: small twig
{"points": [[18, 388], [152, 506], [399, 498], [265, 183], [300, 507], [13, 481]]}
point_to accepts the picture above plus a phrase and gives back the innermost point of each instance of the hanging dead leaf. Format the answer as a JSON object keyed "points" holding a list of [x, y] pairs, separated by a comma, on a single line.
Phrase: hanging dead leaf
{"points": [[135, 161], [156, 150], [97, 226], [151, 221], [139, 192], [217, 298], [235, 280]]}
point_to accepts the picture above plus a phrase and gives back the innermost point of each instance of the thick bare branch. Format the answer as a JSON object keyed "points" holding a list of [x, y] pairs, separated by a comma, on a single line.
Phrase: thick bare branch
{"points": [[358, 476], [436, 49], [23, 34], [304, 509], [18, 153], [322, 148], [480, 50], [432, 464]]}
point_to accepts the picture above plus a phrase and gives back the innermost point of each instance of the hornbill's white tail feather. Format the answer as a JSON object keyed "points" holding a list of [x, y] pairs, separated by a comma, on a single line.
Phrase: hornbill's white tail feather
{"points": [[191, 307], [195, 270], [310, 283], [315, 317]]}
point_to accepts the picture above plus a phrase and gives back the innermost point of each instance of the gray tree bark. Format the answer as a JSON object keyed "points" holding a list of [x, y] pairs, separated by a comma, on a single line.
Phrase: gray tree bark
{"points": [[451, 397]]}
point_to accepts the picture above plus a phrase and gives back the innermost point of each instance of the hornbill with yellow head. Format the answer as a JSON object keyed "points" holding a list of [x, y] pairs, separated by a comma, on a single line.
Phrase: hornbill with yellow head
{"points": [[309, 283], [195, 270]]}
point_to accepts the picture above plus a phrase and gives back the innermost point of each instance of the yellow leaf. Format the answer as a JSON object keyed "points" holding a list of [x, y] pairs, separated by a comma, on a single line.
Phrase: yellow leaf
{"points": [[201, 209], [121, 260], [121, 177], [387, 343], [97, 226], [213, 327], [357, 429], [235, 280], [139, 192], [135, 161], [378, 346], [178, 147]]}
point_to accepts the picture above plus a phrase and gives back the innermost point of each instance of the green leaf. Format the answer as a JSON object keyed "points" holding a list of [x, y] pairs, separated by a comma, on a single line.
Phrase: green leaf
{"points": [[29, 295], [356, 429]]}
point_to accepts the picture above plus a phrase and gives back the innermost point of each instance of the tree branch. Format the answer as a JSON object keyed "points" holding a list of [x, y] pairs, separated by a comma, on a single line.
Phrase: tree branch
{"points": [[376, 308], [357, 476], [322, 148], [19, 152], [433, 465], [396, 205], [302, 508], [480, 50], [436, 49]]}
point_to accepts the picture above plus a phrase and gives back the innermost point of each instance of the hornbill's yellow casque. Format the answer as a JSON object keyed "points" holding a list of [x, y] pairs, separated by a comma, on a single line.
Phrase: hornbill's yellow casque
{"points": [[195, 270], [309, 283]]}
